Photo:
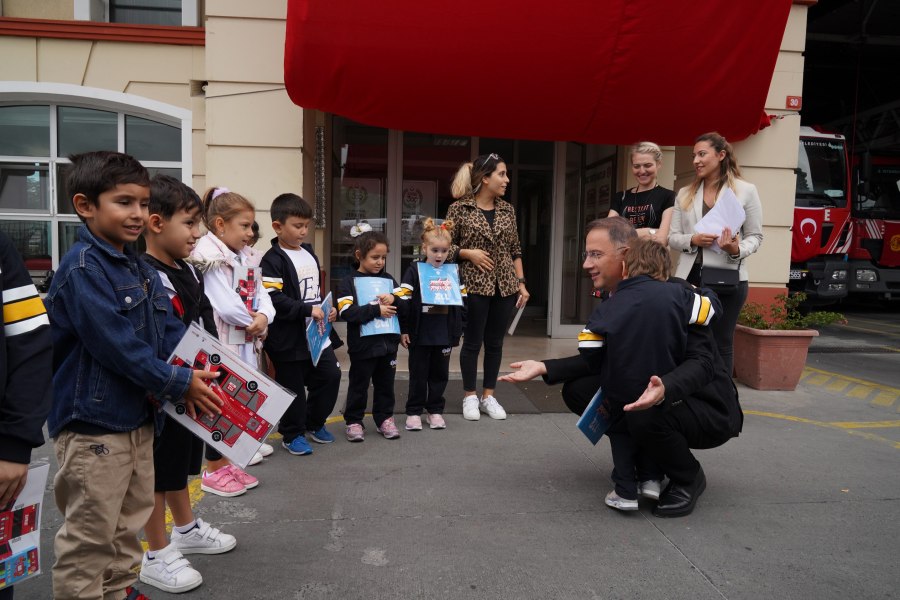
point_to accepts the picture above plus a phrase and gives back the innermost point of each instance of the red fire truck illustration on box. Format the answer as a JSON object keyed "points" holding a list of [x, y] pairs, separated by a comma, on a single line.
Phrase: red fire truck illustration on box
{"points": [[241, 401], [16, 523]]}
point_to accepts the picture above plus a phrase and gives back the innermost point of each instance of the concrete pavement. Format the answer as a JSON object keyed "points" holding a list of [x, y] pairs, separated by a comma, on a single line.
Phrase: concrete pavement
{"points": [[803, 504]]}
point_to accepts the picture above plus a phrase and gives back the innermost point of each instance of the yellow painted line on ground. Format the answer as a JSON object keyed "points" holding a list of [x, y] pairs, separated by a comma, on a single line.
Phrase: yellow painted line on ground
{"points": [[859, 391], [817, 379], [865, 424], [838, 385], [869, 436], [883, 325], [867, 330], [870, 384], [884, 399]]}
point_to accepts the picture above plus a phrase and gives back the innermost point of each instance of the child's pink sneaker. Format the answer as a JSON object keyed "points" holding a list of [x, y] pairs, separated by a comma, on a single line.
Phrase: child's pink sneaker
{"points": [[222, 482], [243, 477], [355, 433], [436, 422], [413, 423], [389, 429]]}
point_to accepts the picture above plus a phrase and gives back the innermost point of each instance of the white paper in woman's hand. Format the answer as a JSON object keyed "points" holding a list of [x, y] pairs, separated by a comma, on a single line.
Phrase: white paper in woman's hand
{"points": [[727, 212]]}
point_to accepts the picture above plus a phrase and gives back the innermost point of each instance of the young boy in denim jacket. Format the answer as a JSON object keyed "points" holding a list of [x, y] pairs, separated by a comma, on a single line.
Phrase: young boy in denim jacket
{"points": [[290, 272], [113, 329]]}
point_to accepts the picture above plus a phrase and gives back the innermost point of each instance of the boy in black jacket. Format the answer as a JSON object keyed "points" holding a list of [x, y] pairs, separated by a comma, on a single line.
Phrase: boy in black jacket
{"points": [[26, 371], [290, 271]]}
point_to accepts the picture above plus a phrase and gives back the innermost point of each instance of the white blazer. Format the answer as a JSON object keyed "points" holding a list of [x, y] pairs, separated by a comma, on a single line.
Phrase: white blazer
{"points": [[682, 229]]}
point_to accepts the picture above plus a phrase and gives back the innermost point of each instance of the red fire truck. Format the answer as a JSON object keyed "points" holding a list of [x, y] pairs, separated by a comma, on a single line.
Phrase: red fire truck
{"points": [[821, 230], [240, 402], [874, 255]]}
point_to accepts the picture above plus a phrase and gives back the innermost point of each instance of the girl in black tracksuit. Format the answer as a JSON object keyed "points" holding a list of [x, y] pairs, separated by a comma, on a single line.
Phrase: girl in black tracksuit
{"points": [[373, 358], [429, 332]]}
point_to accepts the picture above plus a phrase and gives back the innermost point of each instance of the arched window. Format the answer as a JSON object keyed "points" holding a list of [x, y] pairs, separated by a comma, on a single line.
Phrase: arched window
{"points": [[41, 126]]}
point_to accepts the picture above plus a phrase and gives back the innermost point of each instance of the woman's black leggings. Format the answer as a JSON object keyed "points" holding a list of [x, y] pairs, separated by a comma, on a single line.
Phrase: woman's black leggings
{"points": [[487, 318], [723, 327]]}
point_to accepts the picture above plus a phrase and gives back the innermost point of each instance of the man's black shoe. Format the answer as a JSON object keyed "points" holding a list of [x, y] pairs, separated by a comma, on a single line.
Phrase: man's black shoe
{"points": [[679, 500]]}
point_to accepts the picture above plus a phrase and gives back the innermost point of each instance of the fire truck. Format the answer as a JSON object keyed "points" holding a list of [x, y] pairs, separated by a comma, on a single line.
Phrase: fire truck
{"points": [[874, 254], [821, 232]]}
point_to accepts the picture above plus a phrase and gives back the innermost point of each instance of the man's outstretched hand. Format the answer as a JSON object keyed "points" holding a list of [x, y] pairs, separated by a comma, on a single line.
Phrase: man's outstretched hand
{"points": [[527, 370], [653, 395]]}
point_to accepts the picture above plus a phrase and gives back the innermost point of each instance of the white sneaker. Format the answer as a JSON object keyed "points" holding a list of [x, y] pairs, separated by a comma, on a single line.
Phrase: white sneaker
{"points": [[613, 500], [470, 408], [203, 539], [257, 458], [492, 408], [170, 571], [266, 449], [650, 488]]}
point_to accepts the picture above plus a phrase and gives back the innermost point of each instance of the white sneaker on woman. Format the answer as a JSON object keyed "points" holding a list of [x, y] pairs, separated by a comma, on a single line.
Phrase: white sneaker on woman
{"points": [[492, 408], [470, 408]]}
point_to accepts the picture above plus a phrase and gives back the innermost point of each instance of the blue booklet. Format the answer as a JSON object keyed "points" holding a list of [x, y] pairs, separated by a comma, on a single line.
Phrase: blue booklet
{"points": [[317, 332], [367, 291], [595, 420], [439, 285]]}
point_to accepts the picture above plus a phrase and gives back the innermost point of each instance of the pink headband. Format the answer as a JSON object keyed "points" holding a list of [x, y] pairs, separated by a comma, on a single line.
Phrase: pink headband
{"points": [[219, 191]]}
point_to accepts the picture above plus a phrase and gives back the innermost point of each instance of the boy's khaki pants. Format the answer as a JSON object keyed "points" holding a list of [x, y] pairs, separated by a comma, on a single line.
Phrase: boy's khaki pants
{"points": [[104, 489]]}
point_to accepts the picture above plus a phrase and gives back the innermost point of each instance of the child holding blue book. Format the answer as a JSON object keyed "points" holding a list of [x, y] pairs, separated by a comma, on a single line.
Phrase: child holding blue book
{"points": [[431, 327], [367, 302]]}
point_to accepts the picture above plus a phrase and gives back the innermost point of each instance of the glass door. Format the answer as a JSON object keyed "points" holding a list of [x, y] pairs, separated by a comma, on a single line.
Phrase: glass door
{"points": [[429, 164], [583, 193], [359, 172]]}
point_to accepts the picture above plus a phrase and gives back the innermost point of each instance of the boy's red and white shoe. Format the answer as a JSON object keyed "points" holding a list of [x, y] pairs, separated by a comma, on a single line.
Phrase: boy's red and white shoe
{"points": [[389, 429], [222, 482]]}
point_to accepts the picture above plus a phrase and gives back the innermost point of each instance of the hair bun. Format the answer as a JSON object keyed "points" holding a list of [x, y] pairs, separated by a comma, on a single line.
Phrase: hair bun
{"points": [[360, 228]]}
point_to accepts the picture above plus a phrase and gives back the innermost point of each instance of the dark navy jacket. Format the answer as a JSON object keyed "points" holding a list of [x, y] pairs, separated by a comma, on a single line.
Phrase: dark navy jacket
{"points": [[287, 333], [349, 309]]}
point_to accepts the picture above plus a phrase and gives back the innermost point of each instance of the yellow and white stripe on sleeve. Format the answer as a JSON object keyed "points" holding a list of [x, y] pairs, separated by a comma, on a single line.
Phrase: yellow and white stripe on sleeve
{"points": [[23, 310], [273, 284], [589, 339], [463, 291], [404, 292], [702, 311], [344, 303]]}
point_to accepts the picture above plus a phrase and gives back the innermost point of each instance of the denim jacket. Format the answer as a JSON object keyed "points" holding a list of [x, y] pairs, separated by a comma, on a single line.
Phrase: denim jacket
{"points": [[113, 330]]}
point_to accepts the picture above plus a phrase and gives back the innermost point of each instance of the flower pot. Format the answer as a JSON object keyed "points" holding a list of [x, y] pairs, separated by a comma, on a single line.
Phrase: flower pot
{"points": [[770, 359]]}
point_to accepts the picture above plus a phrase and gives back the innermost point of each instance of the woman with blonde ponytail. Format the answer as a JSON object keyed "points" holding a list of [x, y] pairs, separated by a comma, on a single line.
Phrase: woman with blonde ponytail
{"points": [[486, 245], [716, 171]]}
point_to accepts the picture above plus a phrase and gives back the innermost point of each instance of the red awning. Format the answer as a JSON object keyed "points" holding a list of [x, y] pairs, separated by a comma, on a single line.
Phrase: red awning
{"points": [[598, 71]]}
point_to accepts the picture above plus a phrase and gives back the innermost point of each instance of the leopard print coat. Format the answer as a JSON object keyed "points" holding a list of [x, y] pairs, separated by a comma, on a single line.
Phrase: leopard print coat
{"points": [[472, 232]]}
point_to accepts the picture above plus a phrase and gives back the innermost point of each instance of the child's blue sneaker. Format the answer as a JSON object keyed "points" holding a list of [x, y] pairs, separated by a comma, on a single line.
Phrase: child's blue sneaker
{"points": [[298, 446], [322, 436]]}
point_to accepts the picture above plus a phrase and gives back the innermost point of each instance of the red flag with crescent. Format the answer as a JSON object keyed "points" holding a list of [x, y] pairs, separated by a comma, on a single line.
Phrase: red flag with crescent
{"points": [[806, 240]]}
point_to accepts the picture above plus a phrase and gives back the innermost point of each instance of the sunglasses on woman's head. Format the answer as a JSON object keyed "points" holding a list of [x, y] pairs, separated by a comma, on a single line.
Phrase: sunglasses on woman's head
{"points": [[489, 157]]}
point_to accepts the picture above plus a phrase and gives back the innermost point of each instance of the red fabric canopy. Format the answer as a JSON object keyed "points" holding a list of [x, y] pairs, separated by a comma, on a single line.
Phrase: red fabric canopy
{"points": [[598, 71]]}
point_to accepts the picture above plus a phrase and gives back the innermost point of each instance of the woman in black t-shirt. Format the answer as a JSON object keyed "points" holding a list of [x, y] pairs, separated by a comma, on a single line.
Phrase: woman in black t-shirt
{"points": [[648, 206]]}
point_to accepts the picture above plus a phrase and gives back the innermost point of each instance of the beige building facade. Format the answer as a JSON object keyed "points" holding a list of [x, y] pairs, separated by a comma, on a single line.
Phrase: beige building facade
{"points": [[214, 98]]}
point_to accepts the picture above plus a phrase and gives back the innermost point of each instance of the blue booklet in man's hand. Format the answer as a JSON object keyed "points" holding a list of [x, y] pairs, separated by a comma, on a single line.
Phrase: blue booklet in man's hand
{"points": [[367, 291], [439, 285], [595, 420]]}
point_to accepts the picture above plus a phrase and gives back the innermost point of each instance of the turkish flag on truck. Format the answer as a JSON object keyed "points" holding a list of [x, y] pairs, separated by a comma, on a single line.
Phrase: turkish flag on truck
{"points": [[806, 239]]}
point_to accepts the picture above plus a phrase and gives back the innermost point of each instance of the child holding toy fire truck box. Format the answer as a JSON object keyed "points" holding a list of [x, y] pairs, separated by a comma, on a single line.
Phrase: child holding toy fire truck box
{"points": [[172, 232]]}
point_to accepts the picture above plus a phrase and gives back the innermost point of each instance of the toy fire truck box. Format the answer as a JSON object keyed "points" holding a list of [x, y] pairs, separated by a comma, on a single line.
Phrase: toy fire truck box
{"points": [[247, 284], [20, 530], [251, 402]]}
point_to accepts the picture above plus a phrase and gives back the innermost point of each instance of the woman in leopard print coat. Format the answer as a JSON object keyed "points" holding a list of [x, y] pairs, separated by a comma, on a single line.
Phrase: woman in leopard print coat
{"points": [[486, 245]]}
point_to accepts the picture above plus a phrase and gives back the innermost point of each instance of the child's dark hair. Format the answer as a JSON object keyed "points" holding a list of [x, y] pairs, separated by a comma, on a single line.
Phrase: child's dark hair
{"points": [[366, 242], [290, 205], [93, 173], [169, 195], [255, 229]]}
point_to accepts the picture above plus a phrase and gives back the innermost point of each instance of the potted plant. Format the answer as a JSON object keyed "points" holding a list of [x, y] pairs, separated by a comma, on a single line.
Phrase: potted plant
{"points": [[771, 342]]}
